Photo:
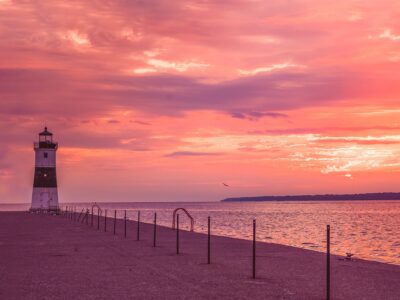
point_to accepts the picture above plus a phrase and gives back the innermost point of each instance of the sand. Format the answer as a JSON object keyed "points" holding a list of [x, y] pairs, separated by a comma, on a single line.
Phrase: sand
{"points": [[51, 257]]}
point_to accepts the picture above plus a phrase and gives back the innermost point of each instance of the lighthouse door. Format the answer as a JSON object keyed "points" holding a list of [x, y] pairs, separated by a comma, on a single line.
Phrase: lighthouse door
{"points": [[45, 200]]}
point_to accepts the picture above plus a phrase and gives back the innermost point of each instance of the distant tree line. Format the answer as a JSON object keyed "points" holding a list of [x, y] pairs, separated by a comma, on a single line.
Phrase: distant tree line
{"points": [[326, 197]]}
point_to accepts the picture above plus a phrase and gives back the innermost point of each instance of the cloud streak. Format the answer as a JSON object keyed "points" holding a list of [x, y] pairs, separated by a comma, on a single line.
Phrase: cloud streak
{"points": [[190, 153], [168, 93]]}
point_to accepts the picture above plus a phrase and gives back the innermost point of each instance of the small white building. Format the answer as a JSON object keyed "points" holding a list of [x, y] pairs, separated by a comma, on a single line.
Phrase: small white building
{"points": [[45, 195]]}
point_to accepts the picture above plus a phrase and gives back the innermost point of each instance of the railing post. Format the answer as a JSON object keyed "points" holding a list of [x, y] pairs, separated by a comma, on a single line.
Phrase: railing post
{"points": [[209, 241], [91, 219], [155, 228], [328, 262], [177, 234], [98, 219], [125, 225], [79, 216], [115, 221], [138, 226], [254, 249], [105, 220]]}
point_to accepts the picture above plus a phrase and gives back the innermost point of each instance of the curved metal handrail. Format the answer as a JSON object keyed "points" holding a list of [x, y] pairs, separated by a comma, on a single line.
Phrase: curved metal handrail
{"points": [[85, 216], [96, 205], [99, 211], [79, 217], [187, 213]]}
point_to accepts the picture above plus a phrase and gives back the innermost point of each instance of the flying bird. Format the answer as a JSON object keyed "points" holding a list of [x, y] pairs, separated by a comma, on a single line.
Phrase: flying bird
{"points": [[225, 184]]}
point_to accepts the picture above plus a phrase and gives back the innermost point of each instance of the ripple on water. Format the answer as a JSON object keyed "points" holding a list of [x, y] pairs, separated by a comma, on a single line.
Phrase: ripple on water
{"points": [[362, 227]]}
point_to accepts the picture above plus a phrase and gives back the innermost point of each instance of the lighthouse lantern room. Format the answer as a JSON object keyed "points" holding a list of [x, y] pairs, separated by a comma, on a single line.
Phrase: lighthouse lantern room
{"points": [[45, 195]]}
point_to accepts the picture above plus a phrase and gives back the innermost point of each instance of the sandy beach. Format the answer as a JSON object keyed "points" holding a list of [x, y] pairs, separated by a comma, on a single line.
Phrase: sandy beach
{"points": [[51, 257]]}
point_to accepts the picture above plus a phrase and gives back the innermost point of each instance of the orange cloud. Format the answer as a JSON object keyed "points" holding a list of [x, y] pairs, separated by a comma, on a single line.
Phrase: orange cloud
{"points": [[153, 99]]}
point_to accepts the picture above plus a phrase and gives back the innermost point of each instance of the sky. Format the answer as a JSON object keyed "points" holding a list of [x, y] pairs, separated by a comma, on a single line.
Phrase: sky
{"points": [[167, 100]]}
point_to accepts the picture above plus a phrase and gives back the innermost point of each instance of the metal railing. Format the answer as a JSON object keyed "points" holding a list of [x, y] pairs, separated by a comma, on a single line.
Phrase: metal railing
{"points": [[71, 213], [187, 213]]}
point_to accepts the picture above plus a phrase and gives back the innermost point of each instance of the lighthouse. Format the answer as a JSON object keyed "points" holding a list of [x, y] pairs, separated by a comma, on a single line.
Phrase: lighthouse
{"points": [[45, 195]]}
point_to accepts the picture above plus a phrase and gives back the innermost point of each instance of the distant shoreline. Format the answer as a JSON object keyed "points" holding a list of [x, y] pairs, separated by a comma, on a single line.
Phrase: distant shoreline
{"points": [[326, 197]]}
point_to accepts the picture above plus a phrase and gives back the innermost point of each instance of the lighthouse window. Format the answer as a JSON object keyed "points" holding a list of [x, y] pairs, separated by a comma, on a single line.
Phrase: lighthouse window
{"points": [[45, 154]]}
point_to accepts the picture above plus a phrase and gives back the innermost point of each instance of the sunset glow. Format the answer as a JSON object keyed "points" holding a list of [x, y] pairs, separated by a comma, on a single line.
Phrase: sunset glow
{"points": [[166, 100]]}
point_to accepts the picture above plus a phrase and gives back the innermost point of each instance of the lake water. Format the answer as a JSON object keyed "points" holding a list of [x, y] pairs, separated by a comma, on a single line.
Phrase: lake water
{"points": [[369, 229]]}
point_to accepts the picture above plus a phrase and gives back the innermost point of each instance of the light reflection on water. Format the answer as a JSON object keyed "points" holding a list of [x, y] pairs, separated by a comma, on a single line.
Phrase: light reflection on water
{"points": [[369, 229]]}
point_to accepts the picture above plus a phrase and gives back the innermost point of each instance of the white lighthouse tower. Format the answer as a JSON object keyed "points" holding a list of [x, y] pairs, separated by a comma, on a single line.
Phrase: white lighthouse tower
{"points": [[44, 195]]}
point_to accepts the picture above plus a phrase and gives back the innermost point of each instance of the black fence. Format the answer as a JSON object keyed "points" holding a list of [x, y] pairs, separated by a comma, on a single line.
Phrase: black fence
{"points": [[71, 213]]}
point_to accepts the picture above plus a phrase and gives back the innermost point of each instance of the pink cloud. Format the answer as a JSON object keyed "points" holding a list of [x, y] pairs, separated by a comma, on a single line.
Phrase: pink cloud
{"points": [[207, 71]]}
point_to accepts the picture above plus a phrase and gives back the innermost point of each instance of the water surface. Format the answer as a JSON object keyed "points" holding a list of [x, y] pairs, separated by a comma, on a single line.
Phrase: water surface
{"points": [[369, 229]]}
